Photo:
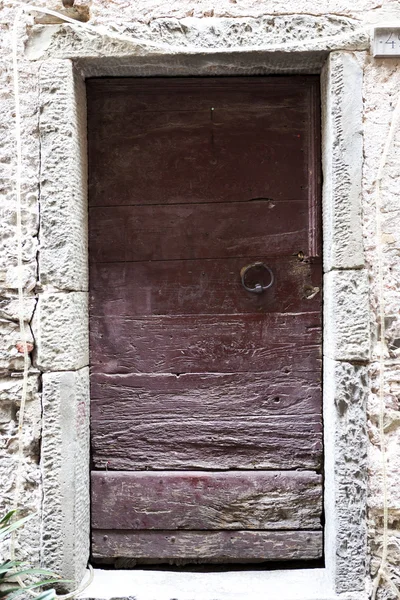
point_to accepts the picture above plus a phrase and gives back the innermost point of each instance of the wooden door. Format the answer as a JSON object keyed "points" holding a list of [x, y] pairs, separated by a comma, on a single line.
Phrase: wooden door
{"points": [[206, 396]]}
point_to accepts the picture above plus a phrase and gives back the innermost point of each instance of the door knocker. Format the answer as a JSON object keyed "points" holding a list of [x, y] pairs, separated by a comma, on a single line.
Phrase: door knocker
{"points": [[258, 288]]}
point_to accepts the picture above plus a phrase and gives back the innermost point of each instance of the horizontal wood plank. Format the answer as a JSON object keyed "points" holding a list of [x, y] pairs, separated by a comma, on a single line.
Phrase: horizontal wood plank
{"points": [[281, 442], [208, 546], [198, 231], [202, 286], [184, 143], [149, 396], [157, 93], [203, 501], [201, 343]]}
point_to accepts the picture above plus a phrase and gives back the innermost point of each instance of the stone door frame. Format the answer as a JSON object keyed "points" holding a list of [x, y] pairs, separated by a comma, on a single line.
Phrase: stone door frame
{"points": [[61, 318]]}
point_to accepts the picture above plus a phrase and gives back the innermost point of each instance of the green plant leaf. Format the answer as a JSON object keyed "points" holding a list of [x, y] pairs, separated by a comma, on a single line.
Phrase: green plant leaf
{"points": [[12, 569], [10, 564], [7, 566], [30, 571], [47, 595], [7, 517], [16, 591], [9, 590], [4, 531]]}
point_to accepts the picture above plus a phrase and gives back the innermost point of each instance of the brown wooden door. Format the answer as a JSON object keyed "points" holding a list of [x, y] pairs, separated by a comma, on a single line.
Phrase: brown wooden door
{"points": [[206, 397]]}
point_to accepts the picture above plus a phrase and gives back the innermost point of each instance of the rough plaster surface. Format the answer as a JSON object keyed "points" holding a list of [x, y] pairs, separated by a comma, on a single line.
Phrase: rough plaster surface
{"points": [[65, 471], [356, 121]]}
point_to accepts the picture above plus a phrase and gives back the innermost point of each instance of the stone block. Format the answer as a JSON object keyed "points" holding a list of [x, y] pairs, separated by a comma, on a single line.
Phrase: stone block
{"points": [[63, 198], [11, 276], [60, 326], [65, 469], [11, 388], [346, 315], [11, 357], [342, 159], [166, 35], [346, 443], [9, 307]]}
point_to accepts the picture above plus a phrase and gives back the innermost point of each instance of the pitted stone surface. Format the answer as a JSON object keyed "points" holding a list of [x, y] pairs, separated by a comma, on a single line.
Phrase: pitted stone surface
{"points": [[65, 471], [166, 35], [346, 315], [11, 360], [11, 388], [63, 214], [391, 419], [346, 475], [28, 542], [9, 307], [60, 327], [342, 154]]}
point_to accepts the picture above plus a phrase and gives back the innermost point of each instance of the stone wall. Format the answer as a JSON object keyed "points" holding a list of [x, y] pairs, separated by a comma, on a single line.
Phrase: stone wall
{"points": [[51, 280]]}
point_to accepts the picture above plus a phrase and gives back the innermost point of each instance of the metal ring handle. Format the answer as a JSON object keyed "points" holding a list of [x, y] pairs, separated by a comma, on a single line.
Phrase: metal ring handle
{"points": [[258, 288]]}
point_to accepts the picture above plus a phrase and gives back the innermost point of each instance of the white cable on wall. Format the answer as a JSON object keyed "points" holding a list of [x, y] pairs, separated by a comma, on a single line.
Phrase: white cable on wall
{"points": [[18, 211], [383, 572]]}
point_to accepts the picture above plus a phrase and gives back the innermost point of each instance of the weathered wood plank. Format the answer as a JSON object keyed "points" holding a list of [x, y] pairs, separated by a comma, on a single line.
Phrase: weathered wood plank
{"points": [[198, 231], [158, 93], [183, 143], [281, 442], [221, 420], [208, 546], [201, 343], [206, 501], [188, 158], [202, 286], [198, 395]]}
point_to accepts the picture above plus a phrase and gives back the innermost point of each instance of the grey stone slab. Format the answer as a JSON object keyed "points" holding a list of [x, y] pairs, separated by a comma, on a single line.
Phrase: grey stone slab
{"points": [[342, 159], [63, 175], [61, 331], [288, 33], [346, 315], [346, 391], [65, 470]]}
